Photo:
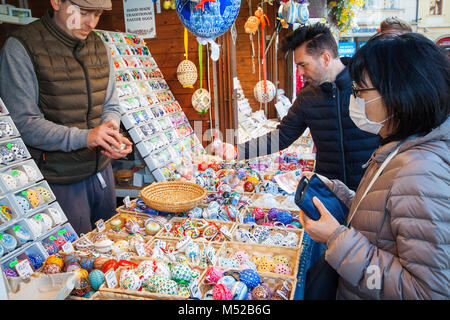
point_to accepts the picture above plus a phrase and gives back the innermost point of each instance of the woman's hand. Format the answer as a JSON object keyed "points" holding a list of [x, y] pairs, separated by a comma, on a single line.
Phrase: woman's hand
{"points": [[322, 229]]}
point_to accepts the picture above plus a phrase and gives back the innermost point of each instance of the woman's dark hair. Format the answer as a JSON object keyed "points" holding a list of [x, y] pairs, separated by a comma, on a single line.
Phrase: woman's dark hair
{"points": [[318, 36], [412, 75]]}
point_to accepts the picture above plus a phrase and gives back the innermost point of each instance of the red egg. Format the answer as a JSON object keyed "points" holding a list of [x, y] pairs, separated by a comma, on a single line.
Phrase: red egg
{"points": [[249, 187]]}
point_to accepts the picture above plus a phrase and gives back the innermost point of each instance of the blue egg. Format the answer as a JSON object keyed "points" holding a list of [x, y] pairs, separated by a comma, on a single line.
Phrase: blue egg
{"points": [[239, 291], [227, 281], [96, 278], [250, 277]]}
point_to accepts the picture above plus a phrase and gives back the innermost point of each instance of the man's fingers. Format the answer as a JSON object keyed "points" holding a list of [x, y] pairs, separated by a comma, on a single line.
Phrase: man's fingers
{"points": [[112, 124]]}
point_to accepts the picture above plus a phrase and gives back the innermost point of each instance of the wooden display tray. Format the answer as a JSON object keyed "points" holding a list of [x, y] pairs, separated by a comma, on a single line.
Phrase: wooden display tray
{"points": [[292, 253], [231, 226], [299, 233], [143, 293], [267, 279]]}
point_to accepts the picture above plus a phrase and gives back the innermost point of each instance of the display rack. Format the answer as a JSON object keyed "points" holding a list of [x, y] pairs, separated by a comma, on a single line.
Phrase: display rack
{"points": [[150, 113], [32, 223]]}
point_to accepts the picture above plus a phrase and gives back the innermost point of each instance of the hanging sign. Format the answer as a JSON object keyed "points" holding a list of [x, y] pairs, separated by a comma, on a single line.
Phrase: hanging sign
{"points": [[140, 17]]}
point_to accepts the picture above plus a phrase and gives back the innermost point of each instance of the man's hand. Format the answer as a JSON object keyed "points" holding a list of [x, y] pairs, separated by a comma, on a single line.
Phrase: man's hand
{"points": [[107, 137], [322, 229]]}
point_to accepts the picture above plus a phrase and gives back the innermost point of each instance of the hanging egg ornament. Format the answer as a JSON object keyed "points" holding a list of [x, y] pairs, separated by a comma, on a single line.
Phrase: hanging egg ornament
{"points": [[264, 96], [208, 20], [303, 12], [187, 73], [201, 100], [222, 292], [251, 25]]}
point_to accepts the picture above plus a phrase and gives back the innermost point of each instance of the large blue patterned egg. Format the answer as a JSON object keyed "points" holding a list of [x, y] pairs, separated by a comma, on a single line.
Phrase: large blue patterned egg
{"points": [[216, 18], [96, 278]]}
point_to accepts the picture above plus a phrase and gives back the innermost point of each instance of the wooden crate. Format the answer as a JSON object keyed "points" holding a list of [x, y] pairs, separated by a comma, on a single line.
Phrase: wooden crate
{"points": [[292, 253], [268, 280], [273, 230], [143, 293], [162, 234]]}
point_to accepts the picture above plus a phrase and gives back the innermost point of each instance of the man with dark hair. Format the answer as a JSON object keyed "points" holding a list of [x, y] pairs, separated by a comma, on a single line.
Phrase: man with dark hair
{"points": [[394, 26], [342, 148], [58, 84]]}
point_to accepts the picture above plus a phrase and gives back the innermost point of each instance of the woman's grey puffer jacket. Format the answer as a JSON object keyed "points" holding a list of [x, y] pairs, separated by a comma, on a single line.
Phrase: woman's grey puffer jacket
{"points": [[398, 243]]}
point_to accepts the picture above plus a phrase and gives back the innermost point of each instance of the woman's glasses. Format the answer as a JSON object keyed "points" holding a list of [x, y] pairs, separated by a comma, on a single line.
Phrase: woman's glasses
{"points": [[356, 90]]}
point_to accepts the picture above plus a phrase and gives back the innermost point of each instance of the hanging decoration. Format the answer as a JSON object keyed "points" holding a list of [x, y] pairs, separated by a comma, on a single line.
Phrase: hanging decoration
{"points": [[264, 90], [250, 27], [292, 12], [341, 13], [169, 4], [208, 19], [186, 70], [201, 99]]}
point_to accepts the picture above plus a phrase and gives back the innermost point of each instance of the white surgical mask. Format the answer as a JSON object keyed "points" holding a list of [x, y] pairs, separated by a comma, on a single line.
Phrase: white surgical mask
{"points": [[357, 109]]}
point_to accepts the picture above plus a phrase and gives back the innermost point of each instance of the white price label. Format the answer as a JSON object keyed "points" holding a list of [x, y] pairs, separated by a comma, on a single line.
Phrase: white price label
{"points": [[100, 224], [110, 278], [127, 202], [195, 290], [24, 269], [67, 247], [141, 252]]}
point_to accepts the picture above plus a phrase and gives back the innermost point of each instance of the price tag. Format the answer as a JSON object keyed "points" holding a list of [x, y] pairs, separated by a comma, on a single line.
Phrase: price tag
{"points": [[14, 173], [127, 202], [67, 247], [61, 232], [110, 278], [16, 228], [141, 252], [38, 216], [52, 238], [210, 253], [23, 268], [195, 290], [100, 225]]}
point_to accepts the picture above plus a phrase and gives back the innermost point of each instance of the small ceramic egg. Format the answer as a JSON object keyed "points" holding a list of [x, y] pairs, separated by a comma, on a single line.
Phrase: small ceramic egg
{"points": [[282, 269], [72, 266], [35, 226], [241, 256], [122, 245], [163, 269], [144, 274], [22, 234], [32, 173], [183, 291], [213, 274], [154, 282], [181, 272], [5, 214], [18, 150], [99, 261], [6, 129], [8, 181], [33, 197], [250, 277], [87, 262], [20, 177], [7, 154], [71, 258], [129, 280]]}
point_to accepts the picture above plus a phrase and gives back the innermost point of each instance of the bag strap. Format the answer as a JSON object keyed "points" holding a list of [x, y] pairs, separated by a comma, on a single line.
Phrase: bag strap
{"points": [[375, 177]]}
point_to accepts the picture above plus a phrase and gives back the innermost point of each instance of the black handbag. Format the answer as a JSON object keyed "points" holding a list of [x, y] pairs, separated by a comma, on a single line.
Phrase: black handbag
{"points": [[321, 281]]}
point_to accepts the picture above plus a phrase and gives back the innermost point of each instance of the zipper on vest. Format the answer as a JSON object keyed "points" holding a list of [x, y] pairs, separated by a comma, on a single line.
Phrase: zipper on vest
{"points": [[341, 130], [88, 88]]}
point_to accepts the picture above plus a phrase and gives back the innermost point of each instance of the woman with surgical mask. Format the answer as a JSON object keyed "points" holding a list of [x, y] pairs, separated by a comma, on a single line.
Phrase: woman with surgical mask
{"points": [[395, 243]]}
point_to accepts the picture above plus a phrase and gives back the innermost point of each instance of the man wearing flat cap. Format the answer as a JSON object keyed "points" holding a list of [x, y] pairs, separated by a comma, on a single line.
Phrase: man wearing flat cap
{"points": [[58, 84]]}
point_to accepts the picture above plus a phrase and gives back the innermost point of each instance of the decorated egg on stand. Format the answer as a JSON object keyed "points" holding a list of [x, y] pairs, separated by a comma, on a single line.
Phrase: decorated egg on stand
{"points": [[264, 95]]}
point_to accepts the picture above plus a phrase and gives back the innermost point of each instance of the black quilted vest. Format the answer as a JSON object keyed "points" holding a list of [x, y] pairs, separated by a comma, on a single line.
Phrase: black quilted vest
{"points": [[73, 77]]}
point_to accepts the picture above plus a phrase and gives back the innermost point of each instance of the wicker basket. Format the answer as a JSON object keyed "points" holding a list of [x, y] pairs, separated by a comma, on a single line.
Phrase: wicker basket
{"points": [[173, 196], [105, 295]]}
